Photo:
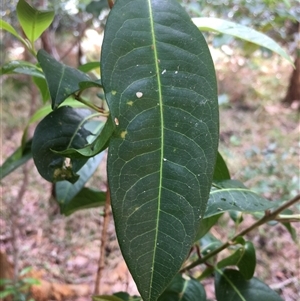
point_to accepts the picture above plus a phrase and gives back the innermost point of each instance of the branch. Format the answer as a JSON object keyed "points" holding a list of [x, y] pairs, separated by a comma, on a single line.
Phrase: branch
{"points": [[268, 217]]}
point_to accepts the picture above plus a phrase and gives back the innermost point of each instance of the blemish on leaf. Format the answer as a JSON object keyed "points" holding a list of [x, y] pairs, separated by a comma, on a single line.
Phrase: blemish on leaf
{"points": [[116, 121], [113, 92], [164, 71], [123, 134], [130, 102], [139, 94]]}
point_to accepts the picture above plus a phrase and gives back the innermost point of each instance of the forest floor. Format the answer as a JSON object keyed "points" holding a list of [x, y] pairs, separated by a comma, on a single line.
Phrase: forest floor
{"points": [[259, 139]]}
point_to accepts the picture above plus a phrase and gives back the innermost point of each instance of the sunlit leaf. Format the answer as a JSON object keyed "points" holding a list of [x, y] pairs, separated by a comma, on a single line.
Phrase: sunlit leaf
{"points": [[5, 26], [242, 32], [33, 21]]}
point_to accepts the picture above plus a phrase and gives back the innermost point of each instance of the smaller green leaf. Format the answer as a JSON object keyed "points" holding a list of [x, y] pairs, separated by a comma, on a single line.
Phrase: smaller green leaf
{"points": [[66, 191], [221, 170], [33, 21], [183, 288], [231, 285], [95, 147], [86, 198], [126, 297], [244, 258], [206, 224], [89, 66], [236, 216], [59, 130], [210, 247], [21, 67], [6, 26], [44, 111], [20, 156], [209, 271], [6, 293], [233, 259], [31, 281], [242, 32], [43, 87], [247, 263], [62, 80], [90, 84], [233, 195], [291, 230]]}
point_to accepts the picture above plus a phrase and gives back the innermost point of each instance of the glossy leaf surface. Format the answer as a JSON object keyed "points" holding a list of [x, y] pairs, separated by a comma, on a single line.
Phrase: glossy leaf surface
{"points": [[33, 21], [231, 285], [183, 289], [62, 80], [160, 85], [59, 130], [6, 26], [242, 32]]}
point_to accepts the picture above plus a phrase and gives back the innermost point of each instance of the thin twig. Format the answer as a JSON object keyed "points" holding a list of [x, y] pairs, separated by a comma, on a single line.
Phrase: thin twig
{"points": [[268, 217], [101, 262], [110, 3]]}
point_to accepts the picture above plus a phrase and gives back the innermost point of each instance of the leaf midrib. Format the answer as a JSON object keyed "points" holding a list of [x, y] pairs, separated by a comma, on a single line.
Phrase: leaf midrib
{"points": [[162, 135]]}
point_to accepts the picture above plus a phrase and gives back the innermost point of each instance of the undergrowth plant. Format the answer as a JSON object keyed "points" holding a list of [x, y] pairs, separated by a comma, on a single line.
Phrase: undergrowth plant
{"points": [[159, 122]]}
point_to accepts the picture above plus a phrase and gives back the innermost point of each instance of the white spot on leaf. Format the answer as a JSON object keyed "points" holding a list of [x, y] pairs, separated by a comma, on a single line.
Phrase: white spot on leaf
{"points": [[116, 121], [139, 94]]}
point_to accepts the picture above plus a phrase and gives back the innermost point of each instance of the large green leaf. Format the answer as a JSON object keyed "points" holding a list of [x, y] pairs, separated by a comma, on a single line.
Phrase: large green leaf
{"points": [[33, 21], [183, 289], [20, 156], [59, 130], [233, 195], [231, 285], [62, 80], [242, 32], [160, 85], [66, 191]]}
